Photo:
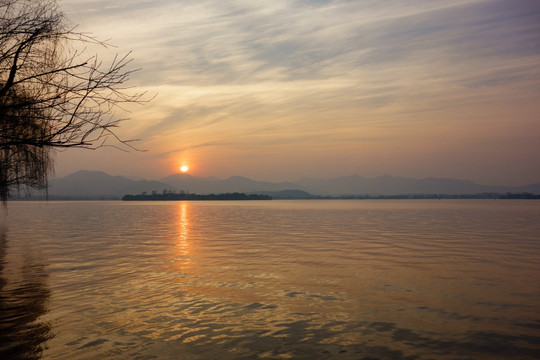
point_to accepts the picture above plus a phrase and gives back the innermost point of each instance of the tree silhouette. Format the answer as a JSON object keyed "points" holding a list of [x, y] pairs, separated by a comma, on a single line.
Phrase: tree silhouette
{"points": [[52, 95]]}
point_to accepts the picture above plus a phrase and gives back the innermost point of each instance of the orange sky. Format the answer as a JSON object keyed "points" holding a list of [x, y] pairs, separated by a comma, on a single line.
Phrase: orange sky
{"points": [[287, 89]]}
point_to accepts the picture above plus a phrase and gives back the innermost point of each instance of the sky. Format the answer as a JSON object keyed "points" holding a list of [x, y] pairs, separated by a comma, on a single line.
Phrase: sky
{"points": [[279, 90]]}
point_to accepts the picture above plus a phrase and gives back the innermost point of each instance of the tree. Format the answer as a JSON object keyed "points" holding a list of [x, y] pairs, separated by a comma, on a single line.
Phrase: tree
{"points": [[52, 95]]}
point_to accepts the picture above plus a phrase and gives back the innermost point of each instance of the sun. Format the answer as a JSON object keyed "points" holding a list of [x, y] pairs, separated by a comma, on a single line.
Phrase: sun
{"points": [[184, 168]]}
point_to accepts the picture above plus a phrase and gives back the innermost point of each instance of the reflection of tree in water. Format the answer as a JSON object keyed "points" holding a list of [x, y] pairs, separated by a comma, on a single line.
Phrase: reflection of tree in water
{"points": [[22, 335]]}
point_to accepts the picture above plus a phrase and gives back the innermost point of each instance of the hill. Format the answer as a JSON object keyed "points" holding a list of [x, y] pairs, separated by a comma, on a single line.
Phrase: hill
{"points": [[392, 185], [233, 184], [97, 184]]}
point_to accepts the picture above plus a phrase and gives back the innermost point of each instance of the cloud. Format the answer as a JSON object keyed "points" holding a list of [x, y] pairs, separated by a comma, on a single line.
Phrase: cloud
{"points": [[285, 72], [207, 43]]}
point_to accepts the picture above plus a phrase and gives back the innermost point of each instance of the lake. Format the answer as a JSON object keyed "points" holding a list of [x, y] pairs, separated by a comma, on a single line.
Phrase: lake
{"points": [[319, 279]]}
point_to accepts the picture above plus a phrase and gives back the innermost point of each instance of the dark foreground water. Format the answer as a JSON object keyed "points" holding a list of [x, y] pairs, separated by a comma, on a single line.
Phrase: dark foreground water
{"points": [[271, 280]]}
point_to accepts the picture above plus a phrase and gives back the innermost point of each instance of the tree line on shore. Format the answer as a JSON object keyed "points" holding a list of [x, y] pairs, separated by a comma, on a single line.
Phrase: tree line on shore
{"points": [[188, 196], [166, 195]]}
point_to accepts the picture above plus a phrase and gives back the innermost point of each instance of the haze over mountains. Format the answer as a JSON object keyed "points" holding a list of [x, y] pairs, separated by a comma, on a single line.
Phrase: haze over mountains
{"points": [[96, 184]]}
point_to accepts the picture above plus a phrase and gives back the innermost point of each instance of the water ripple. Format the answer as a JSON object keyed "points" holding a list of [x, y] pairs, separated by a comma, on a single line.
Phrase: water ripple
{"points": [[271, 280]]}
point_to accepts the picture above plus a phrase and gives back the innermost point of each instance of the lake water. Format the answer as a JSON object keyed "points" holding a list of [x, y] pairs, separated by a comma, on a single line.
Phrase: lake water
{"points": [[350, 279]]}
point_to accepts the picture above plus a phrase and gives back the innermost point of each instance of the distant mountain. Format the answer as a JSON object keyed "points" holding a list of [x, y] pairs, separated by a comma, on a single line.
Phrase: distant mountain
{"points": [[391, 185], [97, 184], [532, 188], [233, 184], [288, 194]]}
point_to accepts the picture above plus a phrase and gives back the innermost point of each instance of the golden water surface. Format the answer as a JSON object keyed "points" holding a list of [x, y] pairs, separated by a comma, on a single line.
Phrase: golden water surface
{"points": [[350, 279]]}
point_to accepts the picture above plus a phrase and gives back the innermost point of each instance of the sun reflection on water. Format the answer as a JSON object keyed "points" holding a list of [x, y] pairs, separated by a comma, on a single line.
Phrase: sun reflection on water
{"points": [[183, 246]]}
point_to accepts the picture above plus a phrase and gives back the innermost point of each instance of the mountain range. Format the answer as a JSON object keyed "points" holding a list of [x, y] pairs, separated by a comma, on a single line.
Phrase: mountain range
{"points": [[96, 184]]}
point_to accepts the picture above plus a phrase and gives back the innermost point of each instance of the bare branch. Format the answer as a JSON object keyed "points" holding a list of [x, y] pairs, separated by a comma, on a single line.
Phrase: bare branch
{"points": [[51, 95]]}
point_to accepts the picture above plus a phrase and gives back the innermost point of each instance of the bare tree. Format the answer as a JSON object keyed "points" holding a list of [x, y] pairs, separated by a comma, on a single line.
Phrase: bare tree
{"points": [[52, 95]]}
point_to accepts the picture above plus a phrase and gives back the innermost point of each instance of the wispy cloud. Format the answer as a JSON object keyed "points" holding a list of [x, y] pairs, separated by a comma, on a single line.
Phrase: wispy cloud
{"points": [[285, 72]]}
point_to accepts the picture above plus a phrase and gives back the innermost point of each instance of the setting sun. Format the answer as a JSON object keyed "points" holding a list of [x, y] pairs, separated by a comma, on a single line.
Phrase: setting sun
{"points": [[184, 168]]}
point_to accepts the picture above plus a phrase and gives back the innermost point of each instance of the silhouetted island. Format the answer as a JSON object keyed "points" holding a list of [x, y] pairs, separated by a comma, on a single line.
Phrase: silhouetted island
{"points": [[169, 196]]}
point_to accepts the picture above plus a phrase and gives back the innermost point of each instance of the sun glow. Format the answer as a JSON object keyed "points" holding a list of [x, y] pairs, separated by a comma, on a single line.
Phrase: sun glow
{"points": [[184, 168]]}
